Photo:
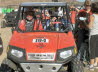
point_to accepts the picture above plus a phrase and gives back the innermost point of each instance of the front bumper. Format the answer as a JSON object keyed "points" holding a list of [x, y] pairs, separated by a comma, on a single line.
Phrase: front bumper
{"points": [[41, 67]]}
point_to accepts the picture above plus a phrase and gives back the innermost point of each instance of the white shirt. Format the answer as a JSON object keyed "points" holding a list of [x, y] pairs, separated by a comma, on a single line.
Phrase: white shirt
{"points": [[94, 29]]}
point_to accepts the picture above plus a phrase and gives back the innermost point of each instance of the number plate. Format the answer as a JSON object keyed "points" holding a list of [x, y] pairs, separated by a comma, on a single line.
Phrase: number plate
{"points": [[41, 56], [40, 40]]}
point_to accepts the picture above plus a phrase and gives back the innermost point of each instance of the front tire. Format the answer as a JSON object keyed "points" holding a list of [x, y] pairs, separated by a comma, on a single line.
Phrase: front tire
{"points": [[9, 66], [75, 66], [5, 68]]}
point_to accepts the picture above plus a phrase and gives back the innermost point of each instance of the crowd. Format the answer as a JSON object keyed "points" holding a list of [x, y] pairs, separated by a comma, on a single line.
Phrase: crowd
{"points": [[87, 23]]}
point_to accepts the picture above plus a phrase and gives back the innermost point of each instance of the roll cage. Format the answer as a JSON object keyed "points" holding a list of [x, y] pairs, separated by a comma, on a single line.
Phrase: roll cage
{"points": [[43, 6]]}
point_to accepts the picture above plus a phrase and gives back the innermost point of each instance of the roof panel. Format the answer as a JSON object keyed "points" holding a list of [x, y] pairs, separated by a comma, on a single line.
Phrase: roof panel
{"points": [[43, 4]]}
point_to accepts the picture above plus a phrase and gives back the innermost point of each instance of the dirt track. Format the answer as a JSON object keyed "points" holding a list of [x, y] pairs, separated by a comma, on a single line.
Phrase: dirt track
{"points": [[6, 35]]}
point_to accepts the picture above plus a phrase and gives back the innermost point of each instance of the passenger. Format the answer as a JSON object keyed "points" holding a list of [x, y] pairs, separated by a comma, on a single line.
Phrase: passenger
{"points": [[45, 14], [62, 23], [57, 23], [38, 22], [60, 12], [28, 23], [93, 43], [37, 10], [46, 19], [64, 19], [53, 19]]}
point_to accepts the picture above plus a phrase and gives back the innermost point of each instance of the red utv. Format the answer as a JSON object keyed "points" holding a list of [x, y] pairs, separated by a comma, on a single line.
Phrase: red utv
{"points": [[42, 45]]}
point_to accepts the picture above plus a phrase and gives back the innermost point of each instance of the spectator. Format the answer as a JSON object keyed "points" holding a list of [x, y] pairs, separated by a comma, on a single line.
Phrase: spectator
{"points": [[87, 8], [73, 13], [93, 26], [81, 30]]}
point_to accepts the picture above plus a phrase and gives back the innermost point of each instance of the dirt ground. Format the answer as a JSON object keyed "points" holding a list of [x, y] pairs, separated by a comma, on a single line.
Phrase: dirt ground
{"points": [[6, 35]]}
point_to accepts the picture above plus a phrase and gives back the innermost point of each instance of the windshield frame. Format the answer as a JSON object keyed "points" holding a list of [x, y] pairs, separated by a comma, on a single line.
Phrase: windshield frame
{"points": [[20, 12]]}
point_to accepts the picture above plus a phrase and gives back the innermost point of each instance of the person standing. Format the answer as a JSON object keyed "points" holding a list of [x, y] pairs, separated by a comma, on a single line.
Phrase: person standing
{"points": [[87, 5], [73, 14], [80, 29], [93, 37]]}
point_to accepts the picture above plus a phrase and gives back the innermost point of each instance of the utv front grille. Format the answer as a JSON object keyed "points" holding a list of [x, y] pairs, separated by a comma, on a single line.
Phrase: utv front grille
{"points": [[41, 56]]}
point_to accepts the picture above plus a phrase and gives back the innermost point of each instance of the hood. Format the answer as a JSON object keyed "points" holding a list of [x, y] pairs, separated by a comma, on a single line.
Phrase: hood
{"points": [[37, 42]]}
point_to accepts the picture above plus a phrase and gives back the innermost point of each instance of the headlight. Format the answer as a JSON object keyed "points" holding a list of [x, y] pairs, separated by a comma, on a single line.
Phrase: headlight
{"points": [[1, 46], [66, 54], [17, 53]]}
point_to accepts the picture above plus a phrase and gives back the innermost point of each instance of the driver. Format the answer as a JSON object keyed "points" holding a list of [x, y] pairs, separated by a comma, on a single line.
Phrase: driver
{"points": [[28, 23]]}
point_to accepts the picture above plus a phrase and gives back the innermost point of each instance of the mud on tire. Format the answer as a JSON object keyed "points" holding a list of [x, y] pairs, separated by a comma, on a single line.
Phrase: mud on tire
{"points": [[5, 68]]}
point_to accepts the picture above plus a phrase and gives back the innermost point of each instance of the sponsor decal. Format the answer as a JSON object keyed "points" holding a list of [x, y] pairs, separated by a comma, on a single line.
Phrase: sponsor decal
{"points": [[41, 56]]}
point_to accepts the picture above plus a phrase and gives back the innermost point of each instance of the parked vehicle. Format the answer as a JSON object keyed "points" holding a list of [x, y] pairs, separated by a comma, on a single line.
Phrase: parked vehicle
{"points": [[9, 19], [10, 16]]}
